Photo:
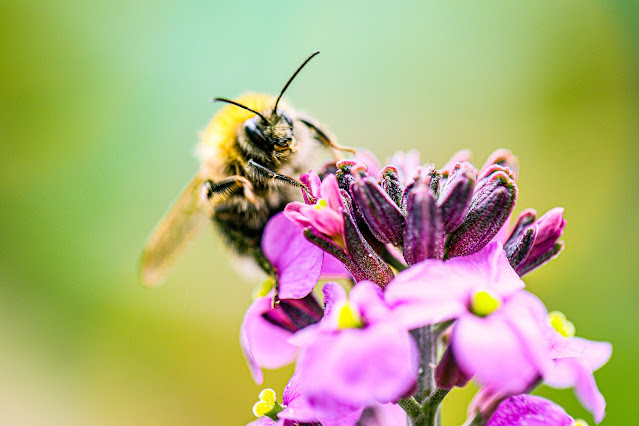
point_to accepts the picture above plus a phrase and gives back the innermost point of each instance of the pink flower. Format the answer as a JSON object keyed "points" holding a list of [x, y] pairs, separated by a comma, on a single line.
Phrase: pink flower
{"points": [[496, 336], [574, 360], [356, 356], [325, 215]]}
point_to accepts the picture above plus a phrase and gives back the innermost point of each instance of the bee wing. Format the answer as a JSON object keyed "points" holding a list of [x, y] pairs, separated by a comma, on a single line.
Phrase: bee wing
{"points": [[179, 227]]}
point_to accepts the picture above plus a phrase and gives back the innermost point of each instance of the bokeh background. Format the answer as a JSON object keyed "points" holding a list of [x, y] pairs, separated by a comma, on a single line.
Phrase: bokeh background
{"points": [[100, 106]]}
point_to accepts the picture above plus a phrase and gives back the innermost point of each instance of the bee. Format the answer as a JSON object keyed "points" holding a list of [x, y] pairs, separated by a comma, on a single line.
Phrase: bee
{"points": [[248, 152]]}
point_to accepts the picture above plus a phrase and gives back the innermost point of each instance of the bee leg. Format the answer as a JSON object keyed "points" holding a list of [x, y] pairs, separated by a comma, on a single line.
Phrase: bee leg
{"points": [[227, 186], [263, 172], [323, 137]]}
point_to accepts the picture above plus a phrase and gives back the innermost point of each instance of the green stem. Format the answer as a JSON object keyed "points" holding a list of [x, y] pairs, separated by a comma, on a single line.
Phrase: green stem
{"points": [[393, 261], [475, 421], [412, 407], [432, 403]]}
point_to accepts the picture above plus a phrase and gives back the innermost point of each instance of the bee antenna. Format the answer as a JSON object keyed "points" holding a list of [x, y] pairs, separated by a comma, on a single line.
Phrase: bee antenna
{"points": [[228, 101], [291, 79]]}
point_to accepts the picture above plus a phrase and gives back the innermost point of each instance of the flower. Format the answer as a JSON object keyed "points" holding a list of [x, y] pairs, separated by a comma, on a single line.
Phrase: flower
{"points": [[495, 337], [574, 360], [325, 214], [356, 356], [531, 411]]}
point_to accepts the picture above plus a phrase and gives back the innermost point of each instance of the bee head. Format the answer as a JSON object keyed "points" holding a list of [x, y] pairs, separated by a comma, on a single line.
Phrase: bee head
{"points": [[274, 133]]}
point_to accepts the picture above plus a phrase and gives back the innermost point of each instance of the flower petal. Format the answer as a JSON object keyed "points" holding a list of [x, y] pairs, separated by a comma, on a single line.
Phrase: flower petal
{"points": [[264, 344], [359, 366], [298, 262], [529, 410], [501, 353]]}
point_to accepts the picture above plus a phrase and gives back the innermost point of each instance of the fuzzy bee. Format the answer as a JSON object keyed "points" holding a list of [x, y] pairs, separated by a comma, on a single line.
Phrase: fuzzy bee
{"points": [[248, 152]]}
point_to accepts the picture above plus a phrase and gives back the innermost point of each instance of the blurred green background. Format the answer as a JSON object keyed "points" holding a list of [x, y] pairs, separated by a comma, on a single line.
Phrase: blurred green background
{"points": [[100, 106]]}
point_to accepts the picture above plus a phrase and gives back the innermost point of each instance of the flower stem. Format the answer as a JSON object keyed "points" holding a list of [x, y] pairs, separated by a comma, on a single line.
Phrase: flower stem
{"points": [[411, 407], [427, 344]]}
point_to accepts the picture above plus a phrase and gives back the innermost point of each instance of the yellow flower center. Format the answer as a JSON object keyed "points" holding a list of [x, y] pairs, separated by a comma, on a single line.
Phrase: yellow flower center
{"points": [[580, 422], [484, 303], [561, 324], [349, 317], [320, 204]]}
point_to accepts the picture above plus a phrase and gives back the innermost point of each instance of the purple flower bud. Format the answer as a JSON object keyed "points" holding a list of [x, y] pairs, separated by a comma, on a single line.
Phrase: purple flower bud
{"points": [[447, 374], [545, 247], [463, 156], [430, 174], [522, 238], [491, 205], [343, 174], [378, 210], [363, 255], [455, 197], [392, 185], [504, 158], [424, 232]]}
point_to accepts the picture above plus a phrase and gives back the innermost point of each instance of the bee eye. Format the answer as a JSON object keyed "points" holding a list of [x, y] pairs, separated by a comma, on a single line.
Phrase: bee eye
{"points": [[254, 133]]}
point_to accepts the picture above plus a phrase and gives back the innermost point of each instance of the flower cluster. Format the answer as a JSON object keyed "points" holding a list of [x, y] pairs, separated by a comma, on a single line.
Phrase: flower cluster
{"points": [[428, 295]]}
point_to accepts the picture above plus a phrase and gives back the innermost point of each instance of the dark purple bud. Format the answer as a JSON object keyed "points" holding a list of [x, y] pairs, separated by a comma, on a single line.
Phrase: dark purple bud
{"points": [[424, 232], [490, 207], [429, 173], [503, 158], [380, 213], [295, 314], [365, 258], [343, 174], [522, 238], [517, 248], [525, 219], [391, 184], [550, 227], [485, 175], [448, 374], [531, 264], [463, 156], [455, 198]]}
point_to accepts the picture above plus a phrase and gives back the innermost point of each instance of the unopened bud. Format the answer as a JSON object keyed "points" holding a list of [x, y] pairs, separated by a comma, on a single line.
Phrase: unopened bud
{"points": [[362, 254], [392, 185], [424, 232], [503, 158], [456, 195], [550, 227], [378, 210], [490, 207]]}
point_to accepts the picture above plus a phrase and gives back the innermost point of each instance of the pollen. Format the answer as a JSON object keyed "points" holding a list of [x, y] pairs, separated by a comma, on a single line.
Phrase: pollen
{"points": [[320, 204], [561, 324], [484, 303], [267, 402], [349, 317], [580, 422]]}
